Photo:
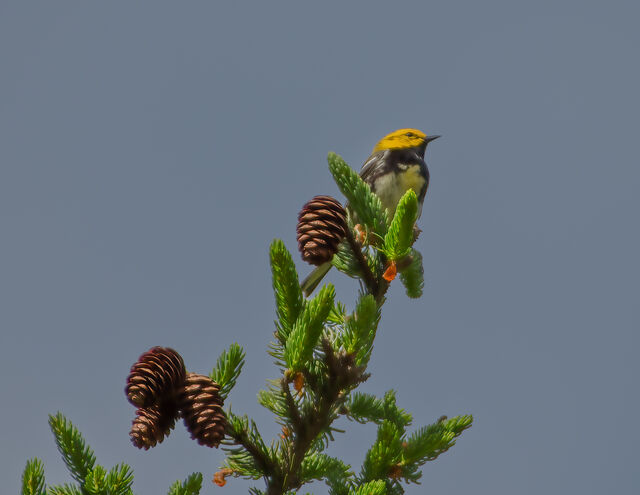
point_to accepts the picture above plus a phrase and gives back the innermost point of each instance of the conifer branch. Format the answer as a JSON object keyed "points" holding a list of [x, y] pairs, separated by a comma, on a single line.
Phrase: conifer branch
{"points": [[369, 279], [65, 489], [190, 486], [228, 368], [78, 456], [33, 478], [294, 413], [238, 430], [322, 351], [342, 375], [412, 276]]}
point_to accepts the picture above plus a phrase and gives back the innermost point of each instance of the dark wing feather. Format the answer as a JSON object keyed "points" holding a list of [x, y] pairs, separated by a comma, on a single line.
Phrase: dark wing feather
{"points": [[371, 167]]}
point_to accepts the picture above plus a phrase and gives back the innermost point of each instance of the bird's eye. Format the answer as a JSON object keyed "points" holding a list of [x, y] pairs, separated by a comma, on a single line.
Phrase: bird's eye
{"points": [[410, 134]]}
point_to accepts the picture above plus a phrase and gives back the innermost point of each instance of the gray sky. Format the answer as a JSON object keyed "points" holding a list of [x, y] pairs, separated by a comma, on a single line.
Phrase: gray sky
{"points": [[150, 152]]}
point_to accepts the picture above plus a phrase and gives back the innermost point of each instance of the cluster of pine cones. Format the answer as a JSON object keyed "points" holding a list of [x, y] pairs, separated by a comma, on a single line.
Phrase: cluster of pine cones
{"points": [[159, 385], [162, 390]]}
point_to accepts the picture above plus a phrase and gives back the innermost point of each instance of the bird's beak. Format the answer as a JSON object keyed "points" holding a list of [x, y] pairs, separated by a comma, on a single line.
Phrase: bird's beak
{"points": [[428, 139]]}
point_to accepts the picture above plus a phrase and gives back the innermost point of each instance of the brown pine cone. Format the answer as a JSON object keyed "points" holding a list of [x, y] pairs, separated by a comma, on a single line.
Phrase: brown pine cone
{"points": [[321, 227], [153, 423], [155, 377], [201, 406]]}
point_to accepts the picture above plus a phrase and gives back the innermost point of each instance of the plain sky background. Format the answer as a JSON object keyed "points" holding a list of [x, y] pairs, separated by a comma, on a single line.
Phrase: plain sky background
{"points": [[150, 152]]}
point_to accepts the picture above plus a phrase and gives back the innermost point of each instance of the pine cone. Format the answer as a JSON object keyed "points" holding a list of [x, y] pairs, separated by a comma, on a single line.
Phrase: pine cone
{"points": [[155, 377], [321, 227], [153, 423], [201, 407]]}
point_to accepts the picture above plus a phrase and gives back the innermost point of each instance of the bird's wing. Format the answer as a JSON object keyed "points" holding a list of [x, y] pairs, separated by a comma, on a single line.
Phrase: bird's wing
{"points": [[368, 170]]}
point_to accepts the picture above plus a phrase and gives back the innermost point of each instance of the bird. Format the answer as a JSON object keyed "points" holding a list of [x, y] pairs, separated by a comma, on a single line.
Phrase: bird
{"points": [[395, 165]]}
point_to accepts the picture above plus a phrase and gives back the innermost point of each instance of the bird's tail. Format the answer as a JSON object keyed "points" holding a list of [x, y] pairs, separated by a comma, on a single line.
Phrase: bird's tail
{"points": [[309, 284]]}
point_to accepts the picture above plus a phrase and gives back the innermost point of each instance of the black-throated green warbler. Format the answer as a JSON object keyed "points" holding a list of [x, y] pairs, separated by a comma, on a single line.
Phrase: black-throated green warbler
{"points": [[395, 166]]}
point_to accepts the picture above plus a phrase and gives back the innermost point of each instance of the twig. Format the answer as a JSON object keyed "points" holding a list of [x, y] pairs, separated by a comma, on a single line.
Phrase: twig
{"points": [[342, 376], [369, 278], [270, 468], [291, 405]]}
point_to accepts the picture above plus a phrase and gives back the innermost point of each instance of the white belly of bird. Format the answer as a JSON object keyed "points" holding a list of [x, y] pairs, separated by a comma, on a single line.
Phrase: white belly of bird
{"points": [[391, 187]]}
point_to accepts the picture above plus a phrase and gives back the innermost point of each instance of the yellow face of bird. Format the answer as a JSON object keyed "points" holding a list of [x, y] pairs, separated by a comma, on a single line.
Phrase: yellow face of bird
{"points": [[401, 139]]}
